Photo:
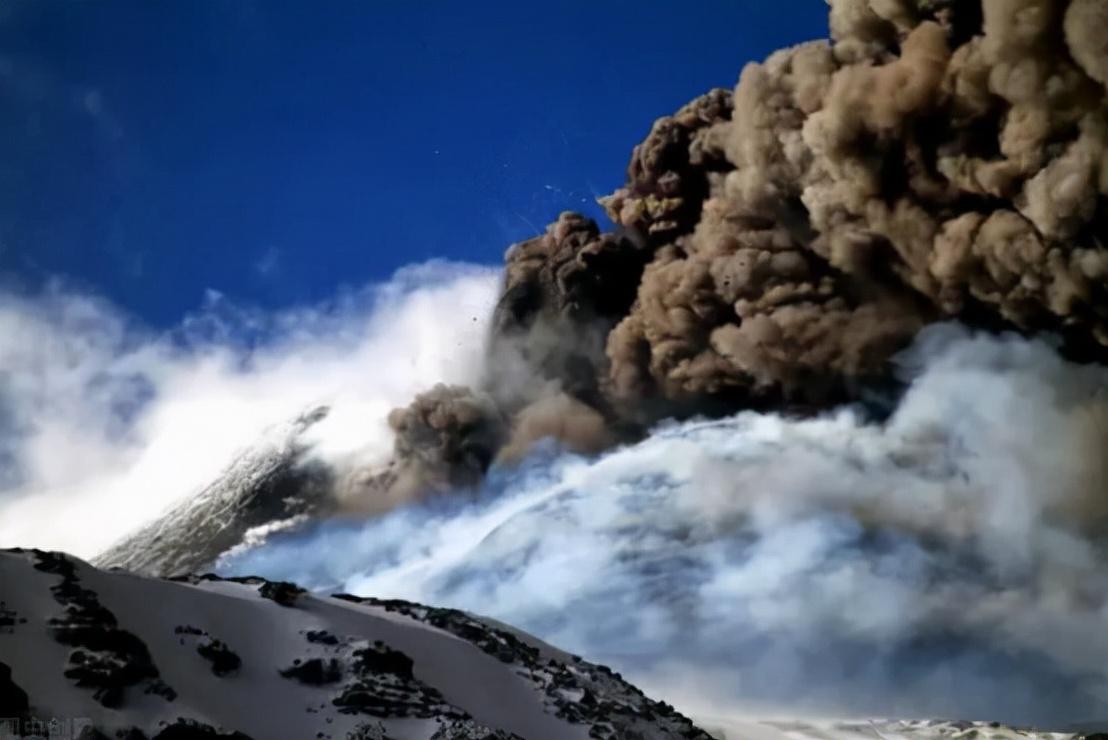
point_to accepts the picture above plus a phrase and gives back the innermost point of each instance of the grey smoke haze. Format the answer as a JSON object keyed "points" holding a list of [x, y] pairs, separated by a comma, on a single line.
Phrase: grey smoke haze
{"points": [[945, 563]]}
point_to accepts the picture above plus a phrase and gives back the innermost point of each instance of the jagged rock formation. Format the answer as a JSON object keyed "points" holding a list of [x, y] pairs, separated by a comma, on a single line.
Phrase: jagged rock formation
{"points": [[199, 656], [271, 483], [106, 659], [599, 696]]}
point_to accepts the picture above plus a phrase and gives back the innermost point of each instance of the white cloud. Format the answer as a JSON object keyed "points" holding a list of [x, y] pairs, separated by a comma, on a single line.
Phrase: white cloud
{"points": [[104, 424]]}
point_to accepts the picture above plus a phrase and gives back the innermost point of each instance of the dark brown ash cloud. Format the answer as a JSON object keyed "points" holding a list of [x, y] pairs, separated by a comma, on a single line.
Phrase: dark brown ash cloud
{"points": [[446, 438], [775, 246]]}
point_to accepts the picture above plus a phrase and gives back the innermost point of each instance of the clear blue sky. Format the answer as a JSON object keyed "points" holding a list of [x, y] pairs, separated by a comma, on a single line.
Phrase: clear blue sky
{"points": [[277, 150]]}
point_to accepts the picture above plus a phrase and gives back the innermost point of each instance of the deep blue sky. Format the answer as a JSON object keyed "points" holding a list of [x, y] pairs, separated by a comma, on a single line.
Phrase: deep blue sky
{"points": [[277, 150]]}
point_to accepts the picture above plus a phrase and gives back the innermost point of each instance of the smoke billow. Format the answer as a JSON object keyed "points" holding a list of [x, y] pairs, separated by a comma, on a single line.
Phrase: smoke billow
{"points": [[712, 516], [776, 251], [575, 425], [948, 562], [926, 164], [776, 246], [445, 439]]}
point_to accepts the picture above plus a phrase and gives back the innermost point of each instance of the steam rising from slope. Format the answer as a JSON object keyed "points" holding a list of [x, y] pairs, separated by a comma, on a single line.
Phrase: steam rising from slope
{"points": [[949, 562], [104, 425]]}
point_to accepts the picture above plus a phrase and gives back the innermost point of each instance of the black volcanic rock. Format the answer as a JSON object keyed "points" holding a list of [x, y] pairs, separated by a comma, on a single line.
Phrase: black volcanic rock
{"points": [[13, 700], [384, 686], [315, 672], [280, 592], [105, 659], [224, 661], [9, 618], [467, 729], [601, 700], [321, 637], [189, 729]]}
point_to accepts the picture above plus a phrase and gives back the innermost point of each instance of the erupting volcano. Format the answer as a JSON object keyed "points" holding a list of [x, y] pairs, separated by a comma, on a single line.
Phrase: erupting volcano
{"points": [[817, 426]]}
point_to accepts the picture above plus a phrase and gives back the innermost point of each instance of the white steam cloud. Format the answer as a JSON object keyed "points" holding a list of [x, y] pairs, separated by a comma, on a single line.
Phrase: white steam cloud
{"points": [[104, 425], [945, 563], [948, 562]]}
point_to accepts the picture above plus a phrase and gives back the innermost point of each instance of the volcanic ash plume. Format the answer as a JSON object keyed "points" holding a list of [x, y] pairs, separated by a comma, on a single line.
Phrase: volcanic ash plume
{"points": [[717, 528], [948, 562], [774, 247], [935, 160], [444, 439]]}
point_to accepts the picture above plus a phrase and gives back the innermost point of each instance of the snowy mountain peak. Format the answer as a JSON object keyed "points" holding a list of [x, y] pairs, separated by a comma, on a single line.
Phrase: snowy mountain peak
{"points": [[114, 654]]}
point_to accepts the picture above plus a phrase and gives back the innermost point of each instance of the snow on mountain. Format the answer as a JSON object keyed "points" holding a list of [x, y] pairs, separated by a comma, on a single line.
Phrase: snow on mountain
{"points": [[113, 654], [267, 485], [90, 654]]}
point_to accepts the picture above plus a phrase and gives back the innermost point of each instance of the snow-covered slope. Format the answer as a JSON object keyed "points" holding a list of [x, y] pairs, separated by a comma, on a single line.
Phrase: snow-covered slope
{"points": [[265, 485], [110, 653], [876, 729]]}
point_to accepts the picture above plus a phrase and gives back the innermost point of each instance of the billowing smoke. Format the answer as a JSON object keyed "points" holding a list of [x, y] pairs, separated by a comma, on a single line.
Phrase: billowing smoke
{"points": [[658, 467], [935, 160], [949, 562], [776, 246], [444, 440], [575, 425]]}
